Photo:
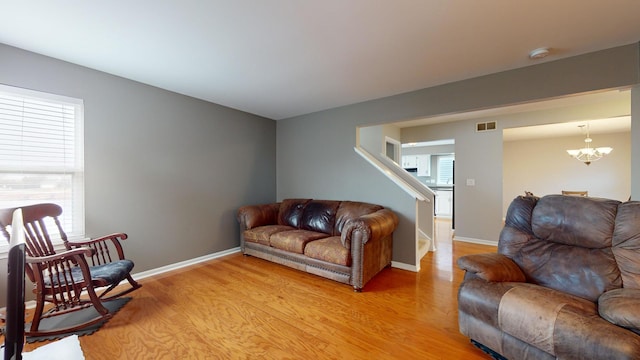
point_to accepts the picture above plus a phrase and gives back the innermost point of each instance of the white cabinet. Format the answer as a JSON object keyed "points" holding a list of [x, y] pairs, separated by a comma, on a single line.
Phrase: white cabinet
{"points": [[444, 202], [421, 162], [409, 161], [424, 165]]}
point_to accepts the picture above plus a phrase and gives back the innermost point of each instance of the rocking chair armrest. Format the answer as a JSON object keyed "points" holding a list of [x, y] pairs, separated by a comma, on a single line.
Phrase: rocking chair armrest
{"points": [[75, 253], [114, 238]]}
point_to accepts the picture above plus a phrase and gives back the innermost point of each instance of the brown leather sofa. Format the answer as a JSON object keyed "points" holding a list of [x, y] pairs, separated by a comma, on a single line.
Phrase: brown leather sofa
{"points": [[346, 241], [564, 284]]}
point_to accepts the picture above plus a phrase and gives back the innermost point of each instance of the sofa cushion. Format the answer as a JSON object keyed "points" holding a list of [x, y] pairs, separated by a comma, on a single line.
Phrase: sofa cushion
{"points": [[329, 249], [294, 240], [621, 307], [290, 212], [349, 210], [320, 216], [261, 234]]}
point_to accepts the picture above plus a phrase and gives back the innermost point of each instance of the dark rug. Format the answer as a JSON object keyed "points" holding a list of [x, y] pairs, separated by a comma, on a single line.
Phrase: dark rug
{"points": [[76, 317]]}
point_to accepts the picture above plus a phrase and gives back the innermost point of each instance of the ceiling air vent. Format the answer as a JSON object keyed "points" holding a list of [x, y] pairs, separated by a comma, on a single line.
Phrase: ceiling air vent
{"points": [[486, 126]]}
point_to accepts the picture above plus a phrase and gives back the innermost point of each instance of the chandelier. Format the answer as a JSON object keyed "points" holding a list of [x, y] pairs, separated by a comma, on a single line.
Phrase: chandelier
{"points": [[588, 154]]}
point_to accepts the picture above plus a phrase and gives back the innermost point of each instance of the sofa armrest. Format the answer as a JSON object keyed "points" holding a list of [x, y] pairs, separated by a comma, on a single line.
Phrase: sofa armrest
{"points": [[376, 225], [492, 267], [251, 216]]}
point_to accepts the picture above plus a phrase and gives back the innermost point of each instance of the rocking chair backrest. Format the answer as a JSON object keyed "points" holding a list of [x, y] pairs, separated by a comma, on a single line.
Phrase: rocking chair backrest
{"points": [[66, 281], [37, 238]]}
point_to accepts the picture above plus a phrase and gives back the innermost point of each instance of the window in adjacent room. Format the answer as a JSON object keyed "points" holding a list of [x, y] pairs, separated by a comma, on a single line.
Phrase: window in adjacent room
{"points": [[41, 153], [445, 169]]}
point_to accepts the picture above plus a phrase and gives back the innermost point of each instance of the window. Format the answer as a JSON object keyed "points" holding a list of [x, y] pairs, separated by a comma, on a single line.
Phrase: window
{"points": [[41, 153], [445, 169]]}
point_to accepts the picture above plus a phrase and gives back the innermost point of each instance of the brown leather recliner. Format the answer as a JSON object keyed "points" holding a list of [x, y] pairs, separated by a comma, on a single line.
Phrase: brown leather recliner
{"points": [[564, 284]]}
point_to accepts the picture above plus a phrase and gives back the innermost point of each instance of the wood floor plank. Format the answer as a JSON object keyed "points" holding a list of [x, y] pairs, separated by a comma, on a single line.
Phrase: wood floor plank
{"points": [[241, 307]]}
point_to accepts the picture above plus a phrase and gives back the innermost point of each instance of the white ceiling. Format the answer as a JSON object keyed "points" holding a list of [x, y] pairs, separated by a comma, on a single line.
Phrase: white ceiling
{"points": [[620, 124], [282, 58], [617, 124], [577, 128]]}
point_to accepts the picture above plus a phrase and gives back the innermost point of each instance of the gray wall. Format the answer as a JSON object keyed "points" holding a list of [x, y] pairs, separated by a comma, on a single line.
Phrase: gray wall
{"points": [[373, 138], [167, 169], [316, 159]]}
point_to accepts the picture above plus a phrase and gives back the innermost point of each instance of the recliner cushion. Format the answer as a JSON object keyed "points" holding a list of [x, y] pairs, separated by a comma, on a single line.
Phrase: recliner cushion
{"points": [[556, 219], [621, 307], [568, 227], [579, 271], [538, 324]]}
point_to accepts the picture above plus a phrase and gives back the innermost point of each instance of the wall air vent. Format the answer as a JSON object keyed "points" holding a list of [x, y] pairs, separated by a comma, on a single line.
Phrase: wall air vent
{"points": [[486, 126]]}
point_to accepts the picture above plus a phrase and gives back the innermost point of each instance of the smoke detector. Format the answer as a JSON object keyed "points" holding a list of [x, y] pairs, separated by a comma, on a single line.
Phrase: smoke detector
{"points": [[538, 53]]}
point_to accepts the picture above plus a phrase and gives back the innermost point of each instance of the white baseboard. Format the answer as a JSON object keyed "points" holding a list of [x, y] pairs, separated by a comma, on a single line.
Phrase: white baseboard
{"points": [[403, 266], [475, 241], [179, 265]]}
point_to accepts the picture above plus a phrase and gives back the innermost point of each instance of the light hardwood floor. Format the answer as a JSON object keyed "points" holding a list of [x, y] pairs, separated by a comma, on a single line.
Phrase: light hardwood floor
{"points": [[241, 307]]}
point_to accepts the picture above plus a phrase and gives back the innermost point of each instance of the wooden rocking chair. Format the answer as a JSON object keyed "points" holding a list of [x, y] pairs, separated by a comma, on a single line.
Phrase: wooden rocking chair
{"points": [[80, 277]]}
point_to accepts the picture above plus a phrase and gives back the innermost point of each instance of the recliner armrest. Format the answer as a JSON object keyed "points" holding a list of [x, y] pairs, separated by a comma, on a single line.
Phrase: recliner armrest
{"points": [[492, 267], [621, 307]]}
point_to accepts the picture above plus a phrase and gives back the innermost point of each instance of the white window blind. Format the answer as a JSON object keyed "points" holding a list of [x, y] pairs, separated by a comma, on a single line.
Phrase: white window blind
{"points": [[41, 153], [445, 170]]}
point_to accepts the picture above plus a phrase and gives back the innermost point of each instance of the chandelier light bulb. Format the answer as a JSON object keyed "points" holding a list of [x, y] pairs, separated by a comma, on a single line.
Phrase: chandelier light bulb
{"points": [[588, 154]]}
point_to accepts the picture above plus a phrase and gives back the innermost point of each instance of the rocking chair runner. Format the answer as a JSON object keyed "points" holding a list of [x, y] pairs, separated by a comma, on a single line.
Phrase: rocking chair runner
{"points": [[94, 266]]}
